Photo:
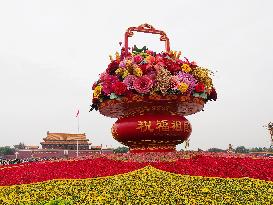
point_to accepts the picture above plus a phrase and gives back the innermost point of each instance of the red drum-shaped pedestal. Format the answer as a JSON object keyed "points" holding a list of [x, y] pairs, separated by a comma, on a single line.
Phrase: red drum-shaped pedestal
{"points": [[150, 132]]}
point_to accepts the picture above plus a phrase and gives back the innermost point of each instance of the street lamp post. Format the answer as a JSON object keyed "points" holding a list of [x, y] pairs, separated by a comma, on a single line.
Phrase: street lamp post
{"points": [[16, 155]]}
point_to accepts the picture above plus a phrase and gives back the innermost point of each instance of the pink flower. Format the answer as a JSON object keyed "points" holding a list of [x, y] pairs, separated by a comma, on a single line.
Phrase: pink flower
{"points": [[152, 75], [174, 82], [105, 77], [107, 88], [137, 59], [158, 58], [143, 84], [122, 64], [107, 81], [188, 79], [129, 80]]}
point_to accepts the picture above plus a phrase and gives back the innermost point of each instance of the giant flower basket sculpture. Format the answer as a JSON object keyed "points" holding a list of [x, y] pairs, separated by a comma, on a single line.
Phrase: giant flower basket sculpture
{"points": [[150, 93]]}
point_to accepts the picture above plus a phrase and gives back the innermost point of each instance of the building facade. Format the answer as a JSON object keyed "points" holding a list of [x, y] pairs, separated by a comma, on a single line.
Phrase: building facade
{"points": [[66, 141]]}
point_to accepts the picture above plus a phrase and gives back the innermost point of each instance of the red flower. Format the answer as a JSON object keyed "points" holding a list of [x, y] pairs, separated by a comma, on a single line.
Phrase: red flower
{"points": [[206, 164], [158, 58], [112, 67], [119, 88], [199, 88], [149, 52], [143, 67], [95, 101], [171, 65], [212, 95], [146, 68]]}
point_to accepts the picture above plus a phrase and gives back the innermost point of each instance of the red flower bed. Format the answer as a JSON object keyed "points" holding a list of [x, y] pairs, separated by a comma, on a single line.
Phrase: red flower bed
{"points": [[232, 167], [76, 169], [200, 165]]}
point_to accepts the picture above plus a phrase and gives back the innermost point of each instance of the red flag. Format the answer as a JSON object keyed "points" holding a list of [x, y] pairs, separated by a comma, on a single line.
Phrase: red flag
{"points": [[78, 113]]}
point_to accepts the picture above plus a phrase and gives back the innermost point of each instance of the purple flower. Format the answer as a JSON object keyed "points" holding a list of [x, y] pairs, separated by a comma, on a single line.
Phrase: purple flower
{"points": [[122, 64], [188, 79]]}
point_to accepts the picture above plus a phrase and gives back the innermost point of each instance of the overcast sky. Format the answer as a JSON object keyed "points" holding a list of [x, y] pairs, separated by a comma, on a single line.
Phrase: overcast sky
{"points": [[51, 52]]}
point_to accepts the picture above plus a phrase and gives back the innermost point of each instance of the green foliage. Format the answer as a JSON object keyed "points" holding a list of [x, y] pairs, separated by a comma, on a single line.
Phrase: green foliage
{"points": [[21, 145], [137, 50], [113, 96], [121, 150], [7, 150], [241, 149], [215, 150], [260, 149], [257, 149]]}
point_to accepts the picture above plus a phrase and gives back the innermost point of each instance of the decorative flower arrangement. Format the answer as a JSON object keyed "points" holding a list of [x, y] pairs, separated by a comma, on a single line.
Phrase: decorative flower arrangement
{"points": [[201, 178], [144, 72]]}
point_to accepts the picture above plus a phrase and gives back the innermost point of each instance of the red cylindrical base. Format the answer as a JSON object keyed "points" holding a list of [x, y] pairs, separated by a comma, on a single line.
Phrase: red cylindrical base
{"points": [[151, 133]]}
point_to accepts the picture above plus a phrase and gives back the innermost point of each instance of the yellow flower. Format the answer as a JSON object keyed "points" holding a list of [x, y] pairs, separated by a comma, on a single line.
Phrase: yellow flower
{"points": [[97, 91], [125, 74], [203, 75], [150, 59], [183, 87], [117, 56], [205, 190], [122, 72], [186, 68], [119, 71], [179, 54], [137, 71], [128, 63]]}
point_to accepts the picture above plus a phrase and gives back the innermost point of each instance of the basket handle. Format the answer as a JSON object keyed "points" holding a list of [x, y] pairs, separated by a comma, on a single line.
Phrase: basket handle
{"points": [[146, 28]]}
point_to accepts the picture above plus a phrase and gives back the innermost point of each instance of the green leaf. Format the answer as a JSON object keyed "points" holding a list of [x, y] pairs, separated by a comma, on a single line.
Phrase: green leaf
{"points": [[204, 95], [196, 95], [113, 96]]}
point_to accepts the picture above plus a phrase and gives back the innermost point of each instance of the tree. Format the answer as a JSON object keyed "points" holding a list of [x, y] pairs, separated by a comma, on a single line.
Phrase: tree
{"points": [[256, 149], [121, 150], [21, 145], [241, 149], [7, 150], [215, 150]]}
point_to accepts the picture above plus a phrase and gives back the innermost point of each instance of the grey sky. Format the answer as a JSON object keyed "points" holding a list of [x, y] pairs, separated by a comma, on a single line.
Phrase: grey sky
{"points": [[51, 52]]}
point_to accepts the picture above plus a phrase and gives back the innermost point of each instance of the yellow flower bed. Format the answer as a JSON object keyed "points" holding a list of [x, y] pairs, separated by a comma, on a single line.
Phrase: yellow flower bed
{"points": [[144, 186]]}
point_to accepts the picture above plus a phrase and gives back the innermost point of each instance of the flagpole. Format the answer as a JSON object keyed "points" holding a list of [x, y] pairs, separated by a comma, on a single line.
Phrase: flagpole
{"points": [[78, 116], [78, 124], [77, 148]]}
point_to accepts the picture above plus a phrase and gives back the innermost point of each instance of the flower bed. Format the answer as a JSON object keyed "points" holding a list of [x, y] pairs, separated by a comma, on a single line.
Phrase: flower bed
{"points": [[173, 178], [108, 165], [146, 186]]}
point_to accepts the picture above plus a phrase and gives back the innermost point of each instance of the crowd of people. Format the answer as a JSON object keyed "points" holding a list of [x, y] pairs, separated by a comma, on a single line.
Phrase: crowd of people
{"points": [[140, 157], [4, 161]]}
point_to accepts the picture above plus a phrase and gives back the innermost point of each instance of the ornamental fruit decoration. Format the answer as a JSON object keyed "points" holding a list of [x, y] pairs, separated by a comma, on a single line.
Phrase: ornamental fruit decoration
{"points": [[150, 93]]}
